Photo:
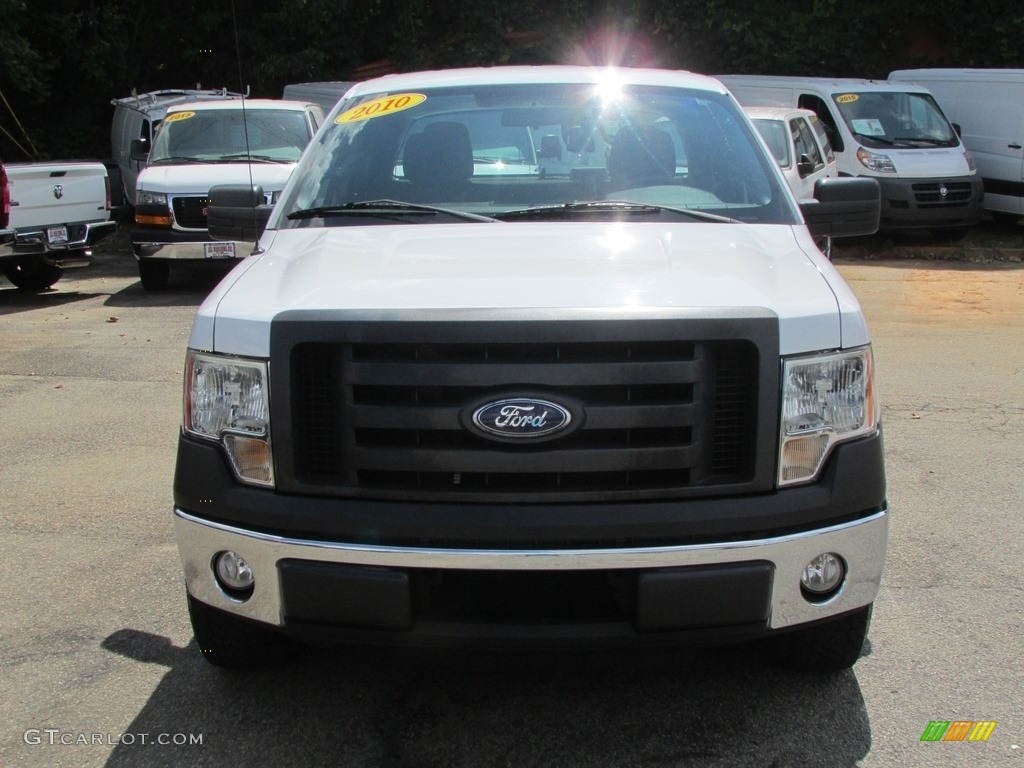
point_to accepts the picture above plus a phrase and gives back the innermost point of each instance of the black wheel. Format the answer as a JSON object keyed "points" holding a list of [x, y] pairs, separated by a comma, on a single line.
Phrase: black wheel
{"points": [[831, 646], [154, 274], [1008, 219], [232, 643], [33, 276], [950, 235]]}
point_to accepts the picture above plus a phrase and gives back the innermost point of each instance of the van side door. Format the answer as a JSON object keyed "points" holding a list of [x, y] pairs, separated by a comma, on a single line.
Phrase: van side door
{"points": [[993, 130]]}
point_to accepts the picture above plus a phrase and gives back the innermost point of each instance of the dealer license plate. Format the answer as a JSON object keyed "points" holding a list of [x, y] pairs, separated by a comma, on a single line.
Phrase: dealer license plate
{"points": [[219, 250], [57, 235]]}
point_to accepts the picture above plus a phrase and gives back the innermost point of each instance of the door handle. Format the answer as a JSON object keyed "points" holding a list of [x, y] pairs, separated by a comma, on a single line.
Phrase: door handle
{"points": [[1015, 145]]}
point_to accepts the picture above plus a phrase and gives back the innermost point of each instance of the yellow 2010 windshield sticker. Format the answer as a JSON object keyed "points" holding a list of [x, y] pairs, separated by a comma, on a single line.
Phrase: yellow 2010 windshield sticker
{"points": [[847, 98], [176, 116], [385, 105]]}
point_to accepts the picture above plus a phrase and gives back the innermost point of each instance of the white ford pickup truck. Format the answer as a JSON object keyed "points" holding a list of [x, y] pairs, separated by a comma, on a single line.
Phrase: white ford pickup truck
{"points": [[539, 355], [56, 212]]}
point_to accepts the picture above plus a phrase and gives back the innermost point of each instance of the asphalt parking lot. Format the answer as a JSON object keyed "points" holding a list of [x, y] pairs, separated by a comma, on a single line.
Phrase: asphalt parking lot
{"points": [[99, 666]]}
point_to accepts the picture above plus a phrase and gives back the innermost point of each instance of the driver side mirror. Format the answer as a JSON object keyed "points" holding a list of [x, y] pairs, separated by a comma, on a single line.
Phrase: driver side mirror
{"points": [[237, 212], [843, 207], [140, 149], [805, 166]]}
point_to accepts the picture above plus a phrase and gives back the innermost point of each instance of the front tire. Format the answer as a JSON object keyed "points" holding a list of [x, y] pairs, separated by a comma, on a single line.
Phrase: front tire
{"points": [[33, 276], [232, 643], [1005, 219], [154, 274], [830, 646], [954, 235]]}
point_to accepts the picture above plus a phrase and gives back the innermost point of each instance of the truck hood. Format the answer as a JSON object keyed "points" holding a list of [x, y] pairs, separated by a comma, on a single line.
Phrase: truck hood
{"points": [[928, 163], [533, 265], [197, 178]]}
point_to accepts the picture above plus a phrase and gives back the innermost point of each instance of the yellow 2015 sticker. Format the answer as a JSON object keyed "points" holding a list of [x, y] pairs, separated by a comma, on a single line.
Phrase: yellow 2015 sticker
{"points": [[385, 105], [176, 116], [847, 98]]}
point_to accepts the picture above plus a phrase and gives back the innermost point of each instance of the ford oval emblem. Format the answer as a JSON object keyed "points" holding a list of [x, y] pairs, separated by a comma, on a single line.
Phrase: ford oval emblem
{"points": [[521, 418]]}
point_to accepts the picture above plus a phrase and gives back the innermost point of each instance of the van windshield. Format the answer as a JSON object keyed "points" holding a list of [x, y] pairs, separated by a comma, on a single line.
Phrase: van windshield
{"points": [[231, 135], [894, 119], [546, 150]]}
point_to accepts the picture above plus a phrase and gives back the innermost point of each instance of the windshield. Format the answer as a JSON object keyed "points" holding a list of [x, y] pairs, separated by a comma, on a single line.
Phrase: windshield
{"points": [[499, 150], [894, 119], [231, 135]]}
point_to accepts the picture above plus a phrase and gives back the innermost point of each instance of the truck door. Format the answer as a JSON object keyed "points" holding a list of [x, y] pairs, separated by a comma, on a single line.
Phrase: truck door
{"points": [[820, 107], [808, 158]]}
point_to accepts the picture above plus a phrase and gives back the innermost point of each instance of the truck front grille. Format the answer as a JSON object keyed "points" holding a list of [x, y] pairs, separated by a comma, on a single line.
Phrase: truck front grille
{"points": [[388, 418]]}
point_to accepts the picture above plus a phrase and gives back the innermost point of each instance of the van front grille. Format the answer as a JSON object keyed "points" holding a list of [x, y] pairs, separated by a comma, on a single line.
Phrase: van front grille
{"points": [[942, 194], [190, 212]]}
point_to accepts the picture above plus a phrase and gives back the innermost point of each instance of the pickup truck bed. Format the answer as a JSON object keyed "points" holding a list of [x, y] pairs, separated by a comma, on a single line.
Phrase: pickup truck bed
{"points": [[58, 210]]}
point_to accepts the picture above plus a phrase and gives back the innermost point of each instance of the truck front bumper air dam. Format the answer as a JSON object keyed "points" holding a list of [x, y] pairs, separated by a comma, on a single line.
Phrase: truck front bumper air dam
{"points": [[739, 589]]}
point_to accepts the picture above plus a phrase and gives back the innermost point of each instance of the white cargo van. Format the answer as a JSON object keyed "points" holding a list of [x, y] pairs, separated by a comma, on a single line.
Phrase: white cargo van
{"points": [[987, 106], [198, 145], [137, 117], [892, 132]]}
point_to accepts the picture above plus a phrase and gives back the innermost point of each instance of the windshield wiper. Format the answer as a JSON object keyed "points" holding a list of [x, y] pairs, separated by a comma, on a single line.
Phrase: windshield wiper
{"points": [[179, 159], [570, 210], [879, 139], [254, 158], [926, 140], [387, 207]]}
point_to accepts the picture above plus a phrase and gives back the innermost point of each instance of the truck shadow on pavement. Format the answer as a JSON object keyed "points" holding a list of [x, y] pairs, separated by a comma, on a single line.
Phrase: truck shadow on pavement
{"points": [[14, 300], [380, 708], [185, 289]]}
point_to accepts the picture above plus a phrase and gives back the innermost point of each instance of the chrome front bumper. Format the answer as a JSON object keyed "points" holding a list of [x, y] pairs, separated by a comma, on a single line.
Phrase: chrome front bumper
{"points": [[33, 242], [194, 251], [862, 544]]}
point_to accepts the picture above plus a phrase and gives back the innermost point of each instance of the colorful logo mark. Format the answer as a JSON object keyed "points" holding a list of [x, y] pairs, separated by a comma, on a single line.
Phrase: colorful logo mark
{"points": [[958, 730]]}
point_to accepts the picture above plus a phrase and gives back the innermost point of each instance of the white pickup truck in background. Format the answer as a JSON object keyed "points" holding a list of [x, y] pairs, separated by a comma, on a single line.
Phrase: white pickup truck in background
{"points": [[56, 211]]}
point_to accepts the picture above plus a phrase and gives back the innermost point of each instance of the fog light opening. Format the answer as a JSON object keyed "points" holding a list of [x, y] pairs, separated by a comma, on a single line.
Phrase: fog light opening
{"points": [[234, 575], [822, 577]]}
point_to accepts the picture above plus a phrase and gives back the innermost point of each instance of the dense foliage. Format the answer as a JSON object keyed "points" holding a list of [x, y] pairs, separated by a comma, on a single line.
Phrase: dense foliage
{"points": [[62, 61]]}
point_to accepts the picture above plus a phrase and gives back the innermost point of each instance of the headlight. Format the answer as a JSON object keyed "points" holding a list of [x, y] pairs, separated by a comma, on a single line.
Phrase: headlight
{"points": [[150, 198], [875, 162], [970, 160], [226, 400], [826, 399]]}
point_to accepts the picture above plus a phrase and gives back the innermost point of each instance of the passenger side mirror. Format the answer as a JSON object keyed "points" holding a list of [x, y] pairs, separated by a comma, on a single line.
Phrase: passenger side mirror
{"points": [[140, 150], [843, 207], [956, 127], [237, 212], [805, 166]]}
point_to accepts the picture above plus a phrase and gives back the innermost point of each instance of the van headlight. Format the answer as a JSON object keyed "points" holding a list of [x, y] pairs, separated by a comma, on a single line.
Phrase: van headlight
{"points": [[142, 197], [826, 399], [875, 162], [227, 401]]}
